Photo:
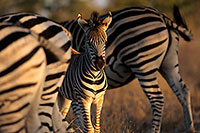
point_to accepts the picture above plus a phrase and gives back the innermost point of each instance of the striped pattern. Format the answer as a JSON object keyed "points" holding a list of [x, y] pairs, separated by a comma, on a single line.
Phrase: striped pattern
{"points": [[24, 72], [22, 75], [59, 37], [142, 42], [85, 81]]}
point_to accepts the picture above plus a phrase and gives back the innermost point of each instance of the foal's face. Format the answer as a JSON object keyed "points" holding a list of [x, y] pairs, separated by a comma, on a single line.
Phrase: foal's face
{"points": [[95, 31]]}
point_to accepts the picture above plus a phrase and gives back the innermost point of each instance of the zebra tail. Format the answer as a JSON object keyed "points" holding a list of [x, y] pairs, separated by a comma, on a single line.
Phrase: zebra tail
{"points": [[184, 31], [57, 52], [179, 24], [177, 16]]}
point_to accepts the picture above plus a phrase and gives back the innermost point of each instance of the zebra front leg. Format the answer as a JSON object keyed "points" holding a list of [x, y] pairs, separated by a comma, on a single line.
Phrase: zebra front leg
{"points": [[154, 94], [99, 104], [77, 112], [85, 106]]}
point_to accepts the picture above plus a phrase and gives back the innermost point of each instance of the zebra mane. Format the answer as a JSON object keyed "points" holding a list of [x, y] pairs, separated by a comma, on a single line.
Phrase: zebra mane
{"points": [[94, 19]]}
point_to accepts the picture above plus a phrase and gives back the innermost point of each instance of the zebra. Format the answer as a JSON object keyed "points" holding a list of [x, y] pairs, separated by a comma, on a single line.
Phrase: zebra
{"points": [[22, 75], [60, 37], [85, 81], [142, 42]]}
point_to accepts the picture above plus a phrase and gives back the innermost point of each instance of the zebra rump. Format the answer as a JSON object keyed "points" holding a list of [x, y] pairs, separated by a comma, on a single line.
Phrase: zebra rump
{"points": [[54, 38]]}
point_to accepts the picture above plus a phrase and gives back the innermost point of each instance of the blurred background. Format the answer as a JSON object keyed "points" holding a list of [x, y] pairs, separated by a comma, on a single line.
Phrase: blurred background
{"points": [[127, 109]]}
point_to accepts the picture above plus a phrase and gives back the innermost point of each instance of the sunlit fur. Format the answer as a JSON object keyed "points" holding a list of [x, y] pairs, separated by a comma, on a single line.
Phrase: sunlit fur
{"points": [[96, 34], [86, 83], [60, 38]]}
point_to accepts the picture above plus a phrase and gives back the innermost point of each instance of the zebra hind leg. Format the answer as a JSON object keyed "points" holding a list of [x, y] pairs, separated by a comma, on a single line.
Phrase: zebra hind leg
{"points": [[63, 104], [58, 120], [182, 93], [170, 71], [155, 96]]}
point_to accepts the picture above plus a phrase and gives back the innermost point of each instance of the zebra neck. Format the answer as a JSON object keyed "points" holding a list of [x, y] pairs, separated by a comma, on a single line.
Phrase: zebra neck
{"points": [[88, 63], [90, 56]]}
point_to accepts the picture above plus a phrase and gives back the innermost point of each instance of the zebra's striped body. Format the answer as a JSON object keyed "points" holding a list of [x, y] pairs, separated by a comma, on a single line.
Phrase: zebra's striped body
{"points": [[85, 81], [22, 75], [59, 37], [141, 43]]}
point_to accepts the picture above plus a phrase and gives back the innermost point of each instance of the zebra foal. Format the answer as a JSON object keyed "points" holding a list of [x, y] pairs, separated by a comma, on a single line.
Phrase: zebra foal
{"points": [[85, 81], [142, 42]]}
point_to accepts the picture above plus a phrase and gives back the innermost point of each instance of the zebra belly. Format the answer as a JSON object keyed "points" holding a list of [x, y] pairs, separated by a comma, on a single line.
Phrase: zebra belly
{"points": [[117, 73]]}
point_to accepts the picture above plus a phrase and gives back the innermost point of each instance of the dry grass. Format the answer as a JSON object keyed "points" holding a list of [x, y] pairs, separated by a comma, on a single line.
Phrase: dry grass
{"points": [[127, 110]]}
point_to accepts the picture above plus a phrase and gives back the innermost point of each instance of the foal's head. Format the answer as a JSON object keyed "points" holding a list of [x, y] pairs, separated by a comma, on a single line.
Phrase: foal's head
{"points": [[96, 37]]}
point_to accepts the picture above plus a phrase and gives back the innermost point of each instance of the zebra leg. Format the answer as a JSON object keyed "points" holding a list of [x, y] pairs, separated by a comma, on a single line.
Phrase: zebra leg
{"points": [[85, 106], [170, 71], [59, 123], [33, 121], [154, 94], [64, 104], [77, 112], [99, 104]]}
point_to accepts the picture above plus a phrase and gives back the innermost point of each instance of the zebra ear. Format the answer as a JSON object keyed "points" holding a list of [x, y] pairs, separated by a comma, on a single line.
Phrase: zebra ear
{"points": [[106, 22], [83, 24]]}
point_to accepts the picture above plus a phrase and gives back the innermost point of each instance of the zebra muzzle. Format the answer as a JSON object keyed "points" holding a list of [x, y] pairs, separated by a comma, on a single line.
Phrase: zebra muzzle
{"points": [[100, 62]]}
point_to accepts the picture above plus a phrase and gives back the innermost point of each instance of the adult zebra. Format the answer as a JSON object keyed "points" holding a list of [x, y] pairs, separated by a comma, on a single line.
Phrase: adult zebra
{"points": [[85, 81], [60, 37], [142, 42], [22, 74]]}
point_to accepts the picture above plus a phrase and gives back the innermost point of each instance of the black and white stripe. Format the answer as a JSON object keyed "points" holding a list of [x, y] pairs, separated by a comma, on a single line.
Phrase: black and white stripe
{"points": [[22, 74], [85, 81], [142, 42], [59, 37]]}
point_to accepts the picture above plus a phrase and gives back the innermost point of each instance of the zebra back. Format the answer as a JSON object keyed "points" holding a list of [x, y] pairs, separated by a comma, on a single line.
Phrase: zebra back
{"points": [[128, 15], [47, 30]]}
